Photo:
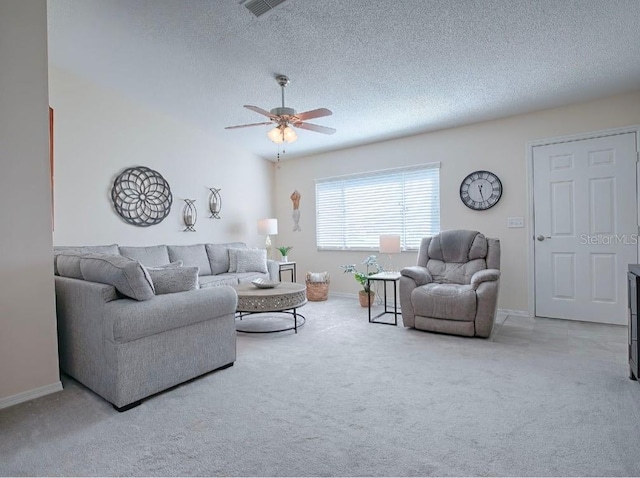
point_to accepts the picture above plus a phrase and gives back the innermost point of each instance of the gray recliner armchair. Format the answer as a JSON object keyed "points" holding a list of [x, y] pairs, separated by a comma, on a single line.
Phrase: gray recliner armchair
{"points": [[454, 287]]}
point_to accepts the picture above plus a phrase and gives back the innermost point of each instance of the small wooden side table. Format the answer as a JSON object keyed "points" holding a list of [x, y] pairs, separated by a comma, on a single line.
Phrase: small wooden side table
{"points": [[287, 266], [386, 277]]}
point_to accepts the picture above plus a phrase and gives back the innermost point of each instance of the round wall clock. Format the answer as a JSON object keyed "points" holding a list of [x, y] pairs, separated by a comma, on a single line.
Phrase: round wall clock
{"points": [[480, 190]]}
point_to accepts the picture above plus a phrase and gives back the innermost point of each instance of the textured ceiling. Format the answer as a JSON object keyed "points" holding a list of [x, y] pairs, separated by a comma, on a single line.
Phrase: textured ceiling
{"points": [[385, 68]]}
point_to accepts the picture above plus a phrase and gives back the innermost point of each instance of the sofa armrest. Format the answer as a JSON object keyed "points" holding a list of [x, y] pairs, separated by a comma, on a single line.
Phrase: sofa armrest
{"points": [[484, 275], [127, 319], [486, 307], [419, 274], [79, 308], [274, 270]]}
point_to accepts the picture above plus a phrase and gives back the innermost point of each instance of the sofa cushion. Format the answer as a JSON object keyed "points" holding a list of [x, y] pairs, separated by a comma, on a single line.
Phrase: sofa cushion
{"points": [[130, 320], [57, 250], [445, 301], [454, 272], [168, 280], [218, 255], [194, 255], [129, 277], [103, 249], [248, 260], [148, 256], [67, 264], [217, 280], [170, 265]]}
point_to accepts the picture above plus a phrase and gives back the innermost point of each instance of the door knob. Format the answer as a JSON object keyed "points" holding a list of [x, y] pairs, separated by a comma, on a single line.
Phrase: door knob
{"points": [[542, 238]]}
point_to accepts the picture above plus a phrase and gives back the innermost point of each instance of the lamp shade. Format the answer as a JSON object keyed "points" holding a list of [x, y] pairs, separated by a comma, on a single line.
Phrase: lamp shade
{"points": [[389, 243], [268, 226]]}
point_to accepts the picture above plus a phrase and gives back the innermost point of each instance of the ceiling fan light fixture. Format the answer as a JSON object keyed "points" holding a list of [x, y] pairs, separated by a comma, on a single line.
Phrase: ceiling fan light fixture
{"points": [[282, 133], [276, 135], [289, 134]]}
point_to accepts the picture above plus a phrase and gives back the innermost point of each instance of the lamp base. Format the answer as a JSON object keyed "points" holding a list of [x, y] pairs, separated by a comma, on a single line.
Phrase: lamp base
{"points": [[267, 246], [388, 266]]}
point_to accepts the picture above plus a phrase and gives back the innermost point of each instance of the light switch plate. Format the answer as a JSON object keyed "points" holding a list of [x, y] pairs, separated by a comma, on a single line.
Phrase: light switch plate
{"points": [[513, 222]]}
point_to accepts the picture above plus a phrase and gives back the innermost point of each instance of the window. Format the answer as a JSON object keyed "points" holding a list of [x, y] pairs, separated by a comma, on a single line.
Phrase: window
{"points": [[352, 211]]}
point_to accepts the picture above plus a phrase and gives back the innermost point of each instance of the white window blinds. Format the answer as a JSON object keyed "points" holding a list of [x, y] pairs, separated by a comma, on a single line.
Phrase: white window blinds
{"points": [[353, 211]]}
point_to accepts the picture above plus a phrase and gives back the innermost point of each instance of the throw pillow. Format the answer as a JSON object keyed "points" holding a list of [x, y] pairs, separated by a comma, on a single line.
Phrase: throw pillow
{"points": [[233, 258], [252, 260], [57, 250], [219, 255], [129, 277], [67, 264], [170, 279], [317, 277]]}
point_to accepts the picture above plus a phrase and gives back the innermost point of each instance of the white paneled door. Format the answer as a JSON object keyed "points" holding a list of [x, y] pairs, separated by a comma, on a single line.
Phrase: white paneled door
{"points": [[586, 227]]}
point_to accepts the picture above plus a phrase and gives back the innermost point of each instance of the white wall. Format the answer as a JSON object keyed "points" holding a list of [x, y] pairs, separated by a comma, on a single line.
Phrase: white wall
{"points": [[28, 343], [498, 146], [98, 133]]}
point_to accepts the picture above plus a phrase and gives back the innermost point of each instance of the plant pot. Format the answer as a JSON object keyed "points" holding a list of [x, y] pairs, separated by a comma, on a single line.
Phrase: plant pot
{"points": [[285, 258], [366, 297]]}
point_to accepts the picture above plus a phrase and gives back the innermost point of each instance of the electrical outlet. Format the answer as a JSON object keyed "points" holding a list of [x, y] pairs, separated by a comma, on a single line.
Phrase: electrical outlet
{"points": [[513, 222]]}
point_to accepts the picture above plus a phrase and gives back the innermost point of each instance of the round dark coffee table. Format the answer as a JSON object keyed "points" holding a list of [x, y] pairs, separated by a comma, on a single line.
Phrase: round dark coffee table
{"points": [[257, 307]]}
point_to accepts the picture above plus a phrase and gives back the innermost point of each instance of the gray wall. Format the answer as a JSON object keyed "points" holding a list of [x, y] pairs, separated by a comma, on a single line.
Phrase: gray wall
{"points": [[28, 343]]}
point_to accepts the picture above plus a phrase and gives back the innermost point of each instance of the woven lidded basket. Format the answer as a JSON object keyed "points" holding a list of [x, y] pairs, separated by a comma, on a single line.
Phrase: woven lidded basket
{"points": [[317, 286]]}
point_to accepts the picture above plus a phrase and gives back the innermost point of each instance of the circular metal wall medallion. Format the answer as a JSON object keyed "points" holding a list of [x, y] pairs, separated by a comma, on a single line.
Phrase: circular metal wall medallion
{"points": [[141, 196]]}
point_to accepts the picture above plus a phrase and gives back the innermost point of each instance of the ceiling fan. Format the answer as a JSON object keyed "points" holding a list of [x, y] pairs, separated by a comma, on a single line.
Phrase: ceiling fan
{"points": [[285, 118]]}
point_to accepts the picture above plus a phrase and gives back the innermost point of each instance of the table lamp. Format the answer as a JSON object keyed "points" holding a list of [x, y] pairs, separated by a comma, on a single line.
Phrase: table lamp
{"points": [[389, 244], [268, 227]]}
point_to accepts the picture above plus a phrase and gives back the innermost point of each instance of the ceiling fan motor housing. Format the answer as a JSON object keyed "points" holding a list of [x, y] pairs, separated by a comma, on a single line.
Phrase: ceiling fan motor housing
{"points": [[282, 111]]}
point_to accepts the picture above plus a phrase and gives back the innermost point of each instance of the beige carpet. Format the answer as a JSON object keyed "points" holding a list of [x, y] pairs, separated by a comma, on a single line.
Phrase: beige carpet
{"points": [[344, 397]]}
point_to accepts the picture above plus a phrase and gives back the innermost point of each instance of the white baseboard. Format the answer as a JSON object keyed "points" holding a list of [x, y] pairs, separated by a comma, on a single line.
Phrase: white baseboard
{"points": [[30, 395], [514, 313]]}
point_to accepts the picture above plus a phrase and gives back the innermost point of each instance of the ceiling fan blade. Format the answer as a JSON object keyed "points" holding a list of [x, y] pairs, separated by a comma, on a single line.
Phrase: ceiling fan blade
{"points": [[319, 113], [247, 125], [260, 111], [315, 127]]}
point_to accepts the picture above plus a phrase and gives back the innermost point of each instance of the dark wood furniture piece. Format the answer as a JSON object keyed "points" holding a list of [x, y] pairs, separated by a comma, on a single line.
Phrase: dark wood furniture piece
{"points": [[633, 277]]}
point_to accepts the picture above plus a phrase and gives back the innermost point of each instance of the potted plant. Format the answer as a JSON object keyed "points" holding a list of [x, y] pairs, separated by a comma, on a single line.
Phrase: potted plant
{"points": [[372, 267], [284, 250]]}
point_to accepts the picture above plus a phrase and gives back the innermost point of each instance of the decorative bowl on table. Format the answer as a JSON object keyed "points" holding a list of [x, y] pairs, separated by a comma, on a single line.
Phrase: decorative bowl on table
{"points": [[265, 284]]}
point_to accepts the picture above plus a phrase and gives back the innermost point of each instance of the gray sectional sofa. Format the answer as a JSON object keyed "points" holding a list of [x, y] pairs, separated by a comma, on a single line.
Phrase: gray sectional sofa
{"points": [[124, 342]]}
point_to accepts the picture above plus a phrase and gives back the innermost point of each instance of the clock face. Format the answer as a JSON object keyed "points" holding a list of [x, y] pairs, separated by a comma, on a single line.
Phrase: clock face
{"points": [[480, 190]]}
